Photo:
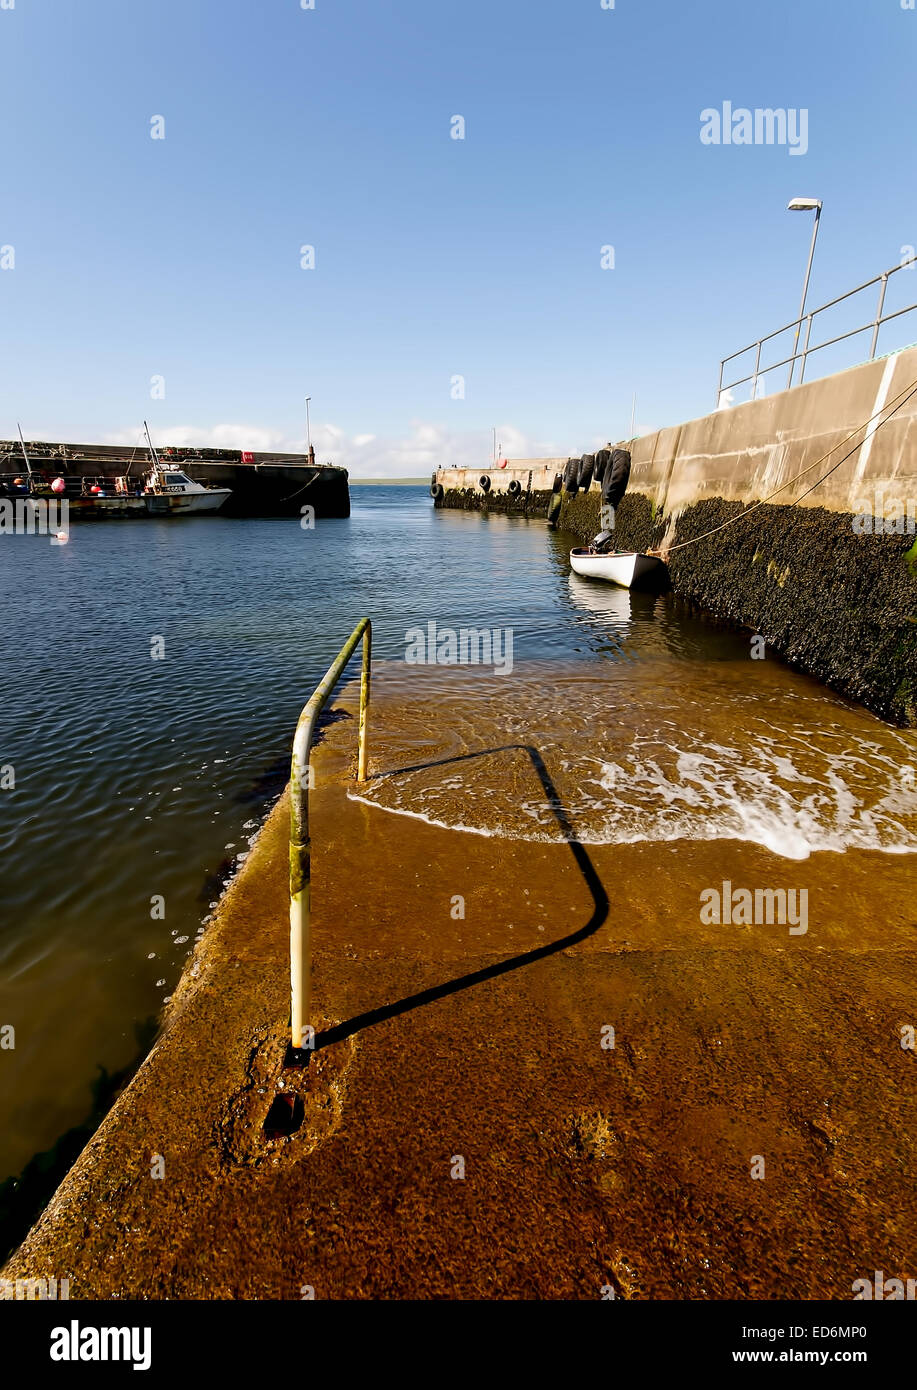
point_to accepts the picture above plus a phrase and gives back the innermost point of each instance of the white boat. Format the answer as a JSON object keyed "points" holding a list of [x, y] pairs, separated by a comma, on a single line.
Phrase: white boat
{"points": [[623, 567], [168, 490]]}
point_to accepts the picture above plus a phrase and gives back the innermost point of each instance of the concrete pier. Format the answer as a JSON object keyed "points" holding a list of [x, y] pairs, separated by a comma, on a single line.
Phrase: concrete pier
{"points": [[825, 572]]}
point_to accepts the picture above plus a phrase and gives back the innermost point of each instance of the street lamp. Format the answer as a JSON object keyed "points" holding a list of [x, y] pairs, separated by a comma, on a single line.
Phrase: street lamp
{"points": [[804, 205]]}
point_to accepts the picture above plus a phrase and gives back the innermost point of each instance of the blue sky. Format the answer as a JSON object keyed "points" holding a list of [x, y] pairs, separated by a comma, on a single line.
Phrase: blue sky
{"points": [[434, 257]]}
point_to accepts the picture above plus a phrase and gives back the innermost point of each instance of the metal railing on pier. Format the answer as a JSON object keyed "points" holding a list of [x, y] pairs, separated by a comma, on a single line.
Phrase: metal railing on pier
{"points": [[808, 348], [300, 843]]}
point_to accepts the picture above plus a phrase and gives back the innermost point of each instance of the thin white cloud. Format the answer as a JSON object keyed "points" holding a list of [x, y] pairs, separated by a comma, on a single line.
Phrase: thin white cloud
{"points": [[413, 455], [226, 436]]}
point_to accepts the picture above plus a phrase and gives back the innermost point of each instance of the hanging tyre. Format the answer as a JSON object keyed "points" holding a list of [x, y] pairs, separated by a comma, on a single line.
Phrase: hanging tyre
{"points": [[585, 471], [484, 482], [437, 492], [601, 463], [514, 488], [571, 475], [616, 478], [558, 482]]}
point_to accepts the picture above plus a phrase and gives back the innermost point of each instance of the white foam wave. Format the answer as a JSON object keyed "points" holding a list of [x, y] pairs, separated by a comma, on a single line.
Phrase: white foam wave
{"points": [[792, 801]]}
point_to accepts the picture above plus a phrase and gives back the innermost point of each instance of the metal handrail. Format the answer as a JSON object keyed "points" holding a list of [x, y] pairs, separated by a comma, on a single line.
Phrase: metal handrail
{"points": [[875, 324], [301, 1033]]}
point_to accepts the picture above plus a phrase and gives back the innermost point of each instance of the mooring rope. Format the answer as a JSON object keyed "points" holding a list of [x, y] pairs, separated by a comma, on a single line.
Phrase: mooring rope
{"points": [[300, 490], [902, 398]]}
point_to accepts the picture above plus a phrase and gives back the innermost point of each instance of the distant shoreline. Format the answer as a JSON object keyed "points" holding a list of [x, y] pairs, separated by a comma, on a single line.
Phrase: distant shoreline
{"points": [[388, 482]]}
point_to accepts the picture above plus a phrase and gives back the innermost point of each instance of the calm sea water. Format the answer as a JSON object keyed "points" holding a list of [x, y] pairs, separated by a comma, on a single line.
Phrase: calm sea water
{"points": [[138, 778]]}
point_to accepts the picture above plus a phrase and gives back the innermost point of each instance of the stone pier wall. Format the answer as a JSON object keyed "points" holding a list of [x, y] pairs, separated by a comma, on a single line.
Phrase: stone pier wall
{"points": [[826, 571]]}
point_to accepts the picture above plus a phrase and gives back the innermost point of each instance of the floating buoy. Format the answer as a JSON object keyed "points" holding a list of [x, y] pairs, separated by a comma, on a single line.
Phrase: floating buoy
{"points": [[58, 485], [95, 488]]}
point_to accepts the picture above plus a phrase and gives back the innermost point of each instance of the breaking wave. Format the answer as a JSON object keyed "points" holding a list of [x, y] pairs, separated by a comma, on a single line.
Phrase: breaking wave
{"points": [[780, 779]]}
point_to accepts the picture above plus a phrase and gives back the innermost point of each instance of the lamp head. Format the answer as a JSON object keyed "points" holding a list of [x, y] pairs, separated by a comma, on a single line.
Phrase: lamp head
{"points": [[804, 205]]}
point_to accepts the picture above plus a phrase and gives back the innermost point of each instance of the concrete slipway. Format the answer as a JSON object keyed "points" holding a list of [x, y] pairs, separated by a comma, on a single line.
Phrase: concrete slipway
{"points": [[465, 1133]]}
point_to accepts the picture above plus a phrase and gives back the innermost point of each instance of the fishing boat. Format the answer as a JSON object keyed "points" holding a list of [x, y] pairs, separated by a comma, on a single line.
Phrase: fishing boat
{"points": [[625, 567], [163, 490], [167, 490]]}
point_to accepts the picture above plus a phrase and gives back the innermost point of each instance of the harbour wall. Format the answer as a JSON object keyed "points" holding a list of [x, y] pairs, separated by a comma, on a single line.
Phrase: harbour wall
{"points": [[825, 571], [270, 484]]}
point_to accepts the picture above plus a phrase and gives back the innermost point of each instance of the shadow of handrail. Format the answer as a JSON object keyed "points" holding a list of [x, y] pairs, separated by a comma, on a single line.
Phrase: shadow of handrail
{"points": [[340, 1031]]}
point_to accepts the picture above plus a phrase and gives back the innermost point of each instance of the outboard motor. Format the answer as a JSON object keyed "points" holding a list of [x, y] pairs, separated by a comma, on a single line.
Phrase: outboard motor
{"points": [[602, 542]]}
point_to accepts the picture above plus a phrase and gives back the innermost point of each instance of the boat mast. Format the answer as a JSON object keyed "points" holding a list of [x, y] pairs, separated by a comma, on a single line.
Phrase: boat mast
{"points": [[153, 454], [24, 454]]}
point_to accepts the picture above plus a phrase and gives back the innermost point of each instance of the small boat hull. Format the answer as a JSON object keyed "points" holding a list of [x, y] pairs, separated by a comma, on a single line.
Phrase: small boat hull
{"points": [[170, 504], [95, 507], [628, 569]]}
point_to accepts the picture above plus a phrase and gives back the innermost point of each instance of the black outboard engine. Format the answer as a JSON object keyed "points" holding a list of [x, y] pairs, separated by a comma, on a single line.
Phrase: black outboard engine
{"points": [[602, 542]]}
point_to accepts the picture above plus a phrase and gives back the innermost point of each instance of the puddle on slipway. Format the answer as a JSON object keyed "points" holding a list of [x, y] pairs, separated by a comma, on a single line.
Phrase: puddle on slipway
{"points": [[646, 750]]}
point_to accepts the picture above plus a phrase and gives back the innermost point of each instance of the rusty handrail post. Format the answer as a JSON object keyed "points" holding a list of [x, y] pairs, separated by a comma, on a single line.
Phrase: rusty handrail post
{"points": [[365, 683], [300, 844]]}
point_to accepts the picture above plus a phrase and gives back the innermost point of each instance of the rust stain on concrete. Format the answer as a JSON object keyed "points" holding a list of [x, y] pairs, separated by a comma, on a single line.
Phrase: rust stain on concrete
{"points": [[442, 1039]]}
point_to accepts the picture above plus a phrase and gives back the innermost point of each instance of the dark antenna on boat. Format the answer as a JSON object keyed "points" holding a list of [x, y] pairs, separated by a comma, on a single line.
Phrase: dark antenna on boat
{"points": [[130, 462], [153, 454], [24, 454]]}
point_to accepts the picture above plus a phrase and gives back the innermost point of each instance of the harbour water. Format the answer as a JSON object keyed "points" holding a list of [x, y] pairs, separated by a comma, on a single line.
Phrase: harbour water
{"points": [[151, 680]]}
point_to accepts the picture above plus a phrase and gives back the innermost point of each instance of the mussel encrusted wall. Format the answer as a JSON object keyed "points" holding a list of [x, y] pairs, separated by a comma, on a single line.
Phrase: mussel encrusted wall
{"points": [[837, 604]]}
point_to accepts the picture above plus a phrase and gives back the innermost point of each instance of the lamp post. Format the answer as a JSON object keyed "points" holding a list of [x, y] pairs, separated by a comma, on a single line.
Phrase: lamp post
{"points": [[804, 205], [308, 432]]}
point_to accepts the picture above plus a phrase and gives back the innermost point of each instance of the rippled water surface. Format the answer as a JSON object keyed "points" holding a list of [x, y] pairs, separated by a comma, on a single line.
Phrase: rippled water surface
{"points": [[138, 779], [652, 751]]}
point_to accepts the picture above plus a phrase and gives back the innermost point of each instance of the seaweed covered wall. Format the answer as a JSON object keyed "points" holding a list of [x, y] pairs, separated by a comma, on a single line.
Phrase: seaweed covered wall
{"points": [[836, 603], [470, 499], [824, 566]]}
